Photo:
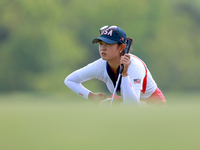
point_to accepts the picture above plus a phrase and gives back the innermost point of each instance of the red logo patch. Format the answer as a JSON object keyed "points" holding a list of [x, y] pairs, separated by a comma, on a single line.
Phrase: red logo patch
{"points": [[81, 94]]}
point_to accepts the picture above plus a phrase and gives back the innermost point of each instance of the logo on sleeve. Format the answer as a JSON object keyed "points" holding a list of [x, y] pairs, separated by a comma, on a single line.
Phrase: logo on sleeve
{"points": [[137, 81], [80, 94], [130, 84]]}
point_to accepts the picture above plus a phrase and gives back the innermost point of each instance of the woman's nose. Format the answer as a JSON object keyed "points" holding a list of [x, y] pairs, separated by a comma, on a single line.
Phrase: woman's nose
{"points": [[104, 47]]}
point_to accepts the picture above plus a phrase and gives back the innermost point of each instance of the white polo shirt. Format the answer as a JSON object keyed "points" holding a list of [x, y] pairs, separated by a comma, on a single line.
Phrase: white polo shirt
{"points": [[100, 70]]}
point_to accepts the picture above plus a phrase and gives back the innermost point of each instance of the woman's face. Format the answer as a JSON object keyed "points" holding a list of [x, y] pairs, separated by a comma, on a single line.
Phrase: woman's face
{"points": [[109, 51]]}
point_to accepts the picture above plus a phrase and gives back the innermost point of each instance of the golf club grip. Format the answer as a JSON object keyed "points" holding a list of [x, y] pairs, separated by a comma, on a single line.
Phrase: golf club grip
{"points": [[126, 51]]}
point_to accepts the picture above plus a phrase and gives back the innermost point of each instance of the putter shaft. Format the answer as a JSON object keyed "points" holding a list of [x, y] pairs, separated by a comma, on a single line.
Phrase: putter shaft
{"points": [[115, 89]]}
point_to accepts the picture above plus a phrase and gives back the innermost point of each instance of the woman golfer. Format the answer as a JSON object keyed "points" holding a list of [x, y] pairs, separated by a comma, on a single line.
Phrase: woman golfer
{"points": [[136, 82]]}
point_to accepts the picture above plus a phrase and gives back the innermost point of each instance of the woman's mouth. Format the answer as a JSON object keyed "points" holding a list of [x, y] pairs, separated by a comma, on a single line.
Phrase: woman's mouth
{"points": [[103, 53]]}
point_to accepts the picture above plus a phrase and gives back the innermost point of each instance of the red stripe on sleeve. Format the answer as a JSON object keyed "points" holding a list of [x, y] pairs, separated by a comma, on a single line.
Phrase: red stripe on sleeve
{"points": [[144, 86]]}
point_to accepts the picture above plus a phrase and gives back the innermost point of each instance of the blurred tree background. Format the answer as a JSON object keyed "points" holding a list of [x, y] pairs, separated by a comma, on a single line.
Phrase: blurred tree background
{"points": [[41, 42]]}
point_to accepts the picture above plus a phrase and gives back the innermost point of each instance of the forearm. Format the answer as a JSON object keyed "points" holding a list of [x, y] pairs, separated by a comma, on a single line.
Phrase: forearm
{"points": [[78, 89], [73, 81], [130, 95], [82, 91]]}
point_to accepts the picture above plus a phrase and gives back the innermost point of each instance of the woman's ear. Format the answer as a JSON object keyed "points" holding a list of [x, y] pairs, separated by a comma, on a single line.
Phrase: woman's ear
{"points": [[122, 47]]}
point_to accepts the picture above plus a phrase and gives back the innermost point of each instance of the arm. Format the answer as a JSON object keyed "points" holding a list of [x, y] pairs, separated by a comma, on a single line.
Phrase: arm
{"points": [[130, 95], [131, 90], [74, 80]]}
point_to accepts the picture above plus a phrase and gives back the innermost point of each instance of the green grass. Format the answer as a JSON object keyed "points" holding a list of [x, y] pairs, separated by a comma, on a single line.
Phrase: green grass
{"points": [[58, 122]]}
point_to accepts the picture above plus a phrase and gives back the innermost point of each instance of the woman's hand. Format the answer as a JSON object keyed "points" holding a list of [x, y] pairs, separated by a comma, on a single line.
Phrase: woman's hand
{"points": [[125, 60], [96, 96]]}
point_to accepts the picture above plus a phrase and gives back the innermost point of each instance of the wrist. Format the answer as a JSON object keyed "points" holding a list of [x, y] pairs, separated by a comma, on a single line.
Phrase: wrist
{"points": [[91, 95], [124, 74]]}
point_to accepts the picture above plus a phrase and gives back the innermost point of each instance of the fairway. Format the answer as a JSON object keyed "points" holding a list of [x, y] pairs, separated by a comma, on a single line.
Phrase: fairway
{"points": [[56, 122]]}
